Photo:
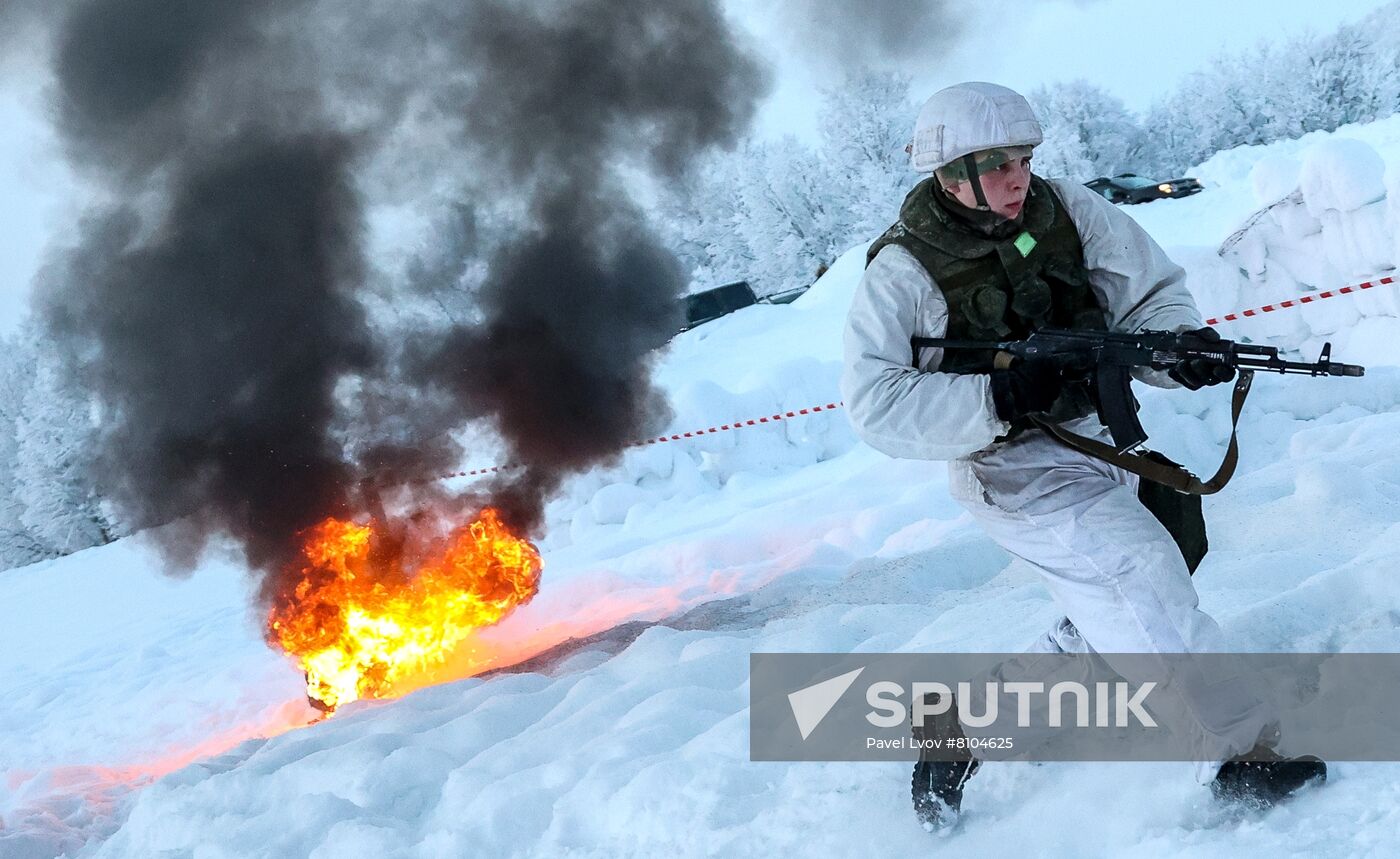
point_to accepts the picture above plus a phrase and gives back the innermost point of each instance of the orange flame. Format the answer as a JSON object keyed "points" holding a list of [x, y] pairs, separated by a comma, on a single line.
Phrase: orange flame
{"points": [[358, 624]]}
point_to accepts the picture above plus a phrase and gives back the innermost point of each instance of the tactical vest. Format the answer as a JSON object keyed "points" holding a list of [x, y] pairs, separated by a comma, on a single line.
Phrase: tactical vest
{"points": [[998, 289]]}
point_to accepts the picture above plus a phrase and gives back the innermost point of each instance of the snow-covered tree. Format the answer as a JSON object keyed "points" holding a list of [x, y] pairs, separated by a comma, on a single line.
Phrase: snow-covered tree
{"points": [[774, 212], [1194, 122], [1274, 92], [759, 214], [17, 545], [700, 219], [1351, 79], [785, 216], [55, 438], [865, 125], [1088, 132]]}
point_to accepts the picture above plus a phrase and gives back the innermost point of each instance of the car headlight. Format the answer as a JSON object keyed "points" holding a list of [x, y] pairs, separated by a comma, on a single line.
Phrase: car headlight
{"points": [[1165, 188]]}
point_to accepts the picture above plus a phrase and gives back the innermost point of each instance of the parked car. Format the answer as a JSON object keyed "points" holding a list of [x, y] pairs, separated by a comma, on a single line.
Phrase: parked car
{"points": [[711, 304], [1132, 188]]}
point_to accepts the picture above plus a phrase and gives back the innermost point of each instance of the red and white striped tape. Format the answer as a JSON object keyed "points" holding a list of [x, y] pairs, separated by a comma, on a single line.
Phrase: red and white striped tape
{"points": [[811, 410], [661, 439], [780, 416], [1301, 300]]}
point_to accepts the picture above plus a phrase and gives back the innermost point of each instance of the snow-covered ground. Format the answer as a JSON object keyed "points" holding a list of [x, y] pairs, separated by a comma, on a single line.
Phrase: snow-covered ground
{"points": [[143, 716]]}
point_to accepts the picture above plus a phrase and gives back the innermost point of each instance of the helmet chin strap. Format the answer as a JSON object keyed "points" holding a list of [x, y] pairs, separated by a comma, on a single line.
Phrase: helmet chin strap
{"points": [[970, 164]]}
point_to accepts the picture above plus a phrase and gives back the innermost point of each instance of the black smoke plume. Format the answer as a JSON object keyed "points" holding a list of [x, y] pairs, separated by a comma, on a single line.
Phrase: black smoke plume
{"points": [[216, 305], [216, 339], [910, 34], [579, 298]]}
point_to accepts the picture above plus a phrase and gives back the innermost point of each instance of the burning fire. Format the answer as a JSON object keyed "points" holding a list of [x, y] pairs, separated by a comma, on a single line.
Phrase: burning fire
{"points": [[358, 623]]}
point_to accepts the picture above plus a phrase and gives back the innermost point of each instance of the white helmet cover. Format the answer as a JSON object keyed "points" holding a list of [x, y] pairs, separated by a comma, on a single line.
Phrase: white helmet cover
{"points": [[970, 117]]}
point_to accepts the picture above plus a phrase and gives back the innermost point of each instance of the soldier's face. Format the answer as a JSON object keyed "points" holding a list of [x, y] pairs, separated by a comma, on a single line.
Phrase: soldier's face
{"points": [[1005, 185]]}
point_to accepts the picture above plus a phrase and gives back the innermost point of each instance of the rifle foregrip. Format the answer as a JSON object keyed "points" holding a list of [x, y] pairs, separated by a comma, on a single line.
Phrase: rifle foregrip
{"points": [[1117, 410]]}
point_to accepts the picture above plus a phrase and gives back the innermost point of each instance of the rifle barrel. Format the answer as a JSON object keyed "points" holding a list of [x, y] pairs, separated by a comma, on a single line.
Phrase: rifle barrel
{"points": [[1321, 368]]}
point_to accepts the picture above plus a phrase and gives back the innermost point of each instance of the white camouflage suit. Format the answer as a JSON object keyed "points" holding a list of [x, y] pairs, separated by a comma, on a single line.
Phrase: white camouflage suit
{"points": [[1109, 564]]}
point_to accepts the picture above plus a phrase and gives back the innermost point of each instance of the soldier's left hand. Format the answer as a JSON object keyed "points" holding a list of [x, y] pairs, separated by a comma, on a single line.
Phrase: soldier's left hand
{"points": [[1197, 373]]}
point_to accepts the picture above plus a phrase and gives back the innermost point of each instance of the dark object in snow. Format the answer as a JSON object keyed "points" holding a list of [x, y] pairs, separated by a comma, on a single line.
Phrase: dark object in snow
{"points": [[711, 304], [937, 785], [1263, 778], [1132, 188], [1180, 513]]}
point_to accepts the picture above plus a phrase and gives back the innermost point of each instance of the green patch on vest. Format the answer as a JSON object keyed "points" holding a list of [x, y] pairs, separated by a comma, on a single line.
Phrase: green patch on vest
{"points": [[1025, 243]]}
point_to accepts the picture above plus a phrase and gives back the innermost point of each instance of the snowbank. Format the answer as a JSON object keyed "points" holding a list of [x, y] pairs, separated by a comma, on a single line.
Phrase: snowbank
{"points": [[636, 745], [1325, 218]]}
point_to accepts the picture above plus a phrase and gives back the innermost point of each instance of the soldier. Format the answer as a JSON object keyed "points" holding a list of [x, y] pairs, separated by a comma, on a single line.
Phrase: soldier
{"points": [[986, 250]]}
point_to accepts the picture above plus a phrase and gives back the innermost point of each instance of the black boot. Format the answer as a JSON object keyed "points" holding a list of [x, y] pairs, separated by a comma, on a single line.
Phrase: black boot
{"points": [[937, 785], [1263, 778]]}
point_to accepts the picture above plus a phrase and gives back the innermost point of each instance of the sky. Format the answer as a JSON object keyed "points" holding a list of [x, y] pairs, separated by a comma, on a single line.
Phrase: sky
{"points": [[1136, 49], [35, 198]]}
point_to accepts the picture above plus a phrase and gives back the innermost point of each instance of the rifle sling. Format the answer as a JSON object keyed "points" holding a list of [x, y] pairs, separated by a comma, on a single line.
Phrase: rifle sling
{"points": [[1174, 476]]}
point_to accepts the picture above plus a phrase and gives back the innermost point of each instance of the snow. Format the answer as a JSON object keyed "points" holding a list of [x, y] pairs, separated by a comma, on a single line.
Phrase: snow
{"points": [[1341, 175], [144, 716], [1274, 177]]}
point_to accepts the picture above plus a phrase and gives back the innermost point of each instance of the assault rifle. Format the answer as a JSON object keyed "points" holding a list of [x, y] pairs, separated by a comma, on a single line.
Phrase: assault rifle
{"points": [[1104, 360]]}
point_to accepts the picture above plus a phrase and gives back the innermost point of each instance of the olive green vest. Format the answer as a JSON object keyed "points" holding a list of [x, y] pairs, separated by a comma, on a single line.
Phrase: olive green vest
{"points": [[998, 289]]}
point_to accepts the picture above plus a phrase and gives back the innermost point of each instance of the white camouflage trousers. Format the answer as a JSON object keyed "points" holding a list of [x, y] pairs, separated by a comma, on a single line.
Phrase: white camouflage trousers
{"points": [[1114, 571]]}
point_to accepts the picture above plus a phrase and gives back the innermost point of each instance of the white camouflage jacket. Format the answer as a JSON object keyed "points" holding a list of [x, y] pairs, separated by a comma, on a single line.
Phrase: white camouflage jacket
{"points": [[921, 413]]}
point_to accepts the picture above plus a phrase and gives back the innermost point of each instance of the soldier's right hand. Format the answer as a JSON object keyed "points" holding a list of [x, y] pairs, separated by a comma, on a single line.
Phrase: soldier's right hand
{"points": [[1029, 386]]}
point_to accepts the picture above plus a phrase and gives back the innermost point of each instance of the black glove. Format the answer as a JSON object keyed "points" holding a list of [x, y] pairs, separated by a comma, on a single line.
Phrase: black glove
{"points": [[1029, 386], [1199, 372]]}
